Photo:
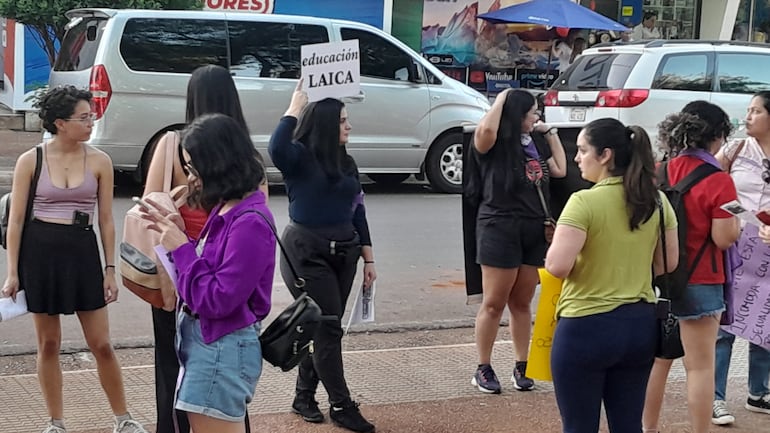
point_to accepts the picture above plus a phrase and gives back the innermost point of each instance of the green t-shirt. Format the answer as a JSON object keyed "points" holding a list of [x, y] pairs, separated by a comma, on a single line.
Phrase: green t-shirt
{"points": [[615, 265]]}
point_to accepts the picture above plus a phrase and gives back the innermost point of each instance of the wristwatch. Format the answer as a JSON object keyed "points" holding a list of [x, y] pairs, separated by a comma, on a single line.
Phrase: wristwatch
{"points": [[553, 131]]}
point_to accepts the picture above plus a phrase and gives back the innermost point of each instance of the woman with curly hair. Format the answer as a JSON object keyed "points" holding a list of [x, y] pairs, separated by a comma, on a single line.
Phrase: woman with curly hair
{"points": [[692, 138], [54, 256]]}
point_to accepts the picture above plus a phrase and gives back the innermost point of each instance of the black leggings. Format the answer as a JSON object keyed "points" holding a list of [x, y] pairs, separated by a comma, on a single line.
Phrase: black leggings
{"points": [[328, 272]]}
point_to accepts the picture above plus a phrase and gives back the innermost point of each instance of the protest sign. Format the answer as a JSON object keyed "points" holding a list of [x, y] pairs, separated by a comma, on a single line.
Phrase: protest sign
{"points": [[331, 70], [363, 307], [751, 290]]}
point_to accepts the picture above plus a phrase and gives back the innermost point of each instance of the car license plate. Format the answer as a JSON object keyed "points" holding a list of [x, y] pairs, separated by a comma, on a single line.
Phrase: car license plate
{"points": [[577, 115]]}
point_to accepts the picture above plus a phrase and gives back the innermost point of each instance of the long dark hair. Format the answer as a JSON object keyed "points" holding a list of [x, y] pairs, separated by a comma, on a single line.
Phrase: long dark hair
{"points": [[508, 144], [696, 126], [223, 157], [632, 159], [211, 89], [319, 129]]}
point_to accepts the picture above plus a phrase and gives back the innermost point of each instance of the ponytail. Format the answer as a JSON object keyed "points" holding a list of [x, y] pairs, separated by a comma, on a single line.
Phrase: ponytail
{"points": [[639, 178], [632, 159]]}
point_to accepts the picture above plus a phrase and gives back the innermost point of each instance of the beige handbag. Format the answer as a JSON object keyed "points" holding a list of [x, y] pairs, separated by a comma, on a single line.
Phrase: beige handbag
{"points": [[148, 279]]}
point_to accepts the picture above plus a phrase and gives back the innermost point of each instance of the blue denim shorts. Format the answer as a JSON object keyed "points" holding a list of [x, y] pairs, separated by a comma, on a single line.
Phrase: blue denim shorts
{"points": [[699, 300], [218, 379]]}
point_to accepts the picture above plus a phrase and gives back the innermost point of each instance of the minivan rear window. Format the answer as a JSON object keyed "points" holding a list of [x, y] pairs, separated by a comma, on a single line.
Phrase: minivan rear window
{"points": [[78, 49], [173, 45], [598, 72]]}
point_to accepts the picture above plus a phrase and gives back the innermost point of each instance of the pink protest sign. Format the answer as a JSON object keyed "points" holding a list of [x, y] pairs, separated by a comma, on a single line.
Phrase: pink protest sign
{"points": [[751, 290]]}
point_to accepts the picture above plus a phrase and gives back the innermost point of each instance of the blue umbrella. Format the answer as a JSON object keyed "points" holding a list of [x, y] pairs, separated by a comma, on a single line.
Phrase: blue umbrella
{"points": [[554, 13]]}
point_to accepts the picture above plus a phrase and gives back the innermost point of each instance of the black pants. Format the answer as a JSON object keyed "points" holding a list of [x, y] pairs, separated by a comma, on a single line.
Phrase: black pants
{"points": [[166, 372], [329, 274]]}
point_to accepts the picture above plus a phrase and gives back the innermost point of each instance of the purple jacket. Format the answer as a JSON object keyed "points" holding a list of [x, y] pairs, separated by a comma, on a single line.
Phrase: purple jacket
{"points": [[230, 284]]}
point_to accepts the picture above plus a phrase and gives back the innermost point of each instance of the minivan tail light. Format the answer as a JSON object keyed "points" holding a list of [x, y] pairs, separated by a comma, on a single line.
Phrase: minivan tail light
{"points": [[621, 98], [100, 89], [551, 99]]}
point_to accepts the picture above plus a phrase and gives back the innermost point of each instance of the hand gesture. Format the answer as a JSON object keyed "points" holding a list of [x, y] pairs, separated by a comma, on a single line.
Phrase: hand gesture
{"points": [[298, 100], [542, 127], [165, 223], [11, 287]]}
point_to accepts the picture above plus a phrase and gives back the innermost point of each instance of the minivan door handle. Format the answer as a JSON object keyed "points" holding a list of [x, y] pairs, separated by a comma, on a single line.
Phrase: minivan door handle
{"points": [[435, 97], [357, 98]]}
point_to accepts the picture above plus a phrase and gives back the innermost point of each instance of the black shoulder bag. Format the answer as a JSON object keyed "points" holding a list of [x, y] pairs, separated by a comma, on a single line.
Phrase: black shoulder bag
{"points": [[289, 338], [669, 340]]}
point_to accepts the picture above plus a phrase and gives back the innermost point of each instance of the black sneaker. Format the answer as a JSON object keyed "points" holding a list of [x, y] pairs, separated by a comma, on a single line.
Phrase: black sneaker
{"points": [[519, 377], [485, 379], [759, 404], [305, 406], [348, 416]]}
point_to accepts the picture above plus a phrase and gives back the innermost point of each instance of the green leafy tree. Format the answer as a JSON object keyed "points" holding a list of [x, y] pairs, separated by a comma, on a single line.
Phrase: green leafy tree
{"points": [[46, 17]]}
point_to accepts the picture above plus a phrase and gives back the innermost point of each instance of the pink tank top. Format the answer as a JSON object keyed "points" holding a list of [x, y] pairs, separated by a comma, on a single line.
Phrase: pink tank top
{"points": [[60, 203]]}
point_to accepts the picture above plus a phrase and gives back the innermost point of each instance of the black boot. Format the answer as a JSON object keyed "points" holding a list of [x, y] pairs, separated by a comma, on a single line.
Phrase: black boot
{"points": [[347, 415], [306, 406]]}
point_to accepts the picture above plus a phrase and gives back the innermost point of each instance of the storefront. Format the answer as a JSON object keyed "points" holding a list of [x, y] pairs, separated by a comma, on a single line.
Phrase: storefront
{"points": [[676, 19], [752, 21]]}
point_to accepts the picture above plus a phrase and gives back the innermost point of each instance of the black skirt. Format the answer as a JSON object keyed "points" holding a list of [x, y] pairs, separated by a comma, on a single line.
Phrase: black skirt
{"points": [[60, 268]]}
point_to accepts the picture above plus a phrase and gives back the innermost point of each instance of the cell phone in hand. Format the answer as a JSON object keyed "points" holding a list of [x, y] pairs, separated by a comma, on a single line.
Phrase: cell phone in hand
{"points": [[139, 201]]}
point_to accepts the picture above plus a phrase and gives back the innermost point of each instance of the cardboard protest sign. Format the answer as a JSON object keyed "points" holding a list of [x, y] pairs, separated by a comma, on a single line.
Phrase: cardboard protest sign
{"points": [[331, 70], [751, 290]]}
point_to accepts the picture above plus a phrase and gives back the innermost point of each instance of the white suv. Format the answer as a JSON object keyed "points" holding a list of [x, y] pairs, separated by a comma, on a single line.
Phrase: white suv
{"points": [[639, 83]]}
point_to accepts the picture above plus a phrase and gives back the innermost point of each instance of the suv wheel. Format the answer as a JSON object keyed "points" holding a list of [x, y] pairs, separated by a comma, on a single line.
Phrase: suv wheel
{"points": [[444, 165]]}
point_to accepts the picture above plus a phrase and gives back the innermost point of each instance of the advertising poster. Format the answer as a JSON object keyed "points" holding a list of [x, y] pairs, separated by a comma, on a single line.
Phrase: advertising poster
{"points": [[496, 56]]}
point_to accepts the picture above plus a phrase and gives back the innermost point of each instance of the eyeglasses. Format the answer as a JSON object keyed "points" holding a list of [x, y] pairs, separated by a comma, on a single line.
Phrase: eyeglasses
{"points": [[86, 118], [766, 173]]}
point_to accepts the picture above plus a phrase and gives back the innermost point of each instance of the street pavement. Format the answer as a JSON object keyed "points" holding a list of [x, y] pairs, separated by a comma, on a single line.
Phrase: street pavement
{"points": [[405, 383]]}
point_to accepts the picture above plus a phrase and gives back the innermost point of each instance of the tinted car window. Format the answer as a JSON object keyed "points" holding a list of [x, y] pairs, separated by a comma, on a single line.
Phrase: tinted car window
{"points": [[270, 49], [601, 71], [379, 58], [78, 49], [684, 72], [173, 45], [743, 73]]}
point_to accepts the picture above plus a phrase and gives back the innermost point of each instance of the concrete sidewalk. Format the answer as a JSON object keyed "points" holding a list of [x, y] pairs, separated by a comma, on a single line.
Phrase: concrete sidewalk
{"points": [[13, 144], [405, 390]]}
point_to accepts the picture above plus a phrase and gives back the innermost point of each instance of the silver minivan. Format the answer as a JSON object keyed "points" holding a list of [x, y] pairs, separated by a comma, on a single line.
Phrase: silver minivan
{"points": [[408, 118]]}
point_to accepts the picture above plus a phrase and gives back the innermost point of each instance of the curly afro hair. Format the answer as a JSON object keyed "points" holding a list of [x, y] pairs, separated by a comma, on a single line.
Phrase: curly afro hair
{"points": [[59, 103]]}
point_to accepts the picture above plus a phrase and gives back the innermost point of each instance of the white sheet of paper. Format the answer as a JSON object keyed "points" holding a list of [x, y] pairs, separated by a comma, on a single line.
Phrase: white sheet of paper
{"points": [[363, 308], [331, 70], [167, 265], [735, 208], [10, 309]]}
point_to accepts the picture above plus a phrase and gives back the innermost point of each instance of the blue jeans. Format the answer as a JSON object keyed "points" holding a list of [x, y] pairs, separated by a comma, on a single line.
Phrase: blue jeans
{"points": [[759, 366]]}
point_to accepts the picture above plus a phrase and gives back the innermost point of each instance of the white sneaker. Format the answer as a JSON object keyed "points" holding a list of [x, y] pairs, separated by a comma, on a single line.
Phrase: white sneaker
{"points": [[129, 426], [54, 429], [720, 415]]}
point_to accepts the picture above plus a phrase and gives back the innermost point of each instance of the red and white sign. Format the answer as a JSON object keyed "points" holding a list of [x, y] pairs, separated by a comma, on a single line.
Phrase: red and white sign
{"points": [[257, 6]]}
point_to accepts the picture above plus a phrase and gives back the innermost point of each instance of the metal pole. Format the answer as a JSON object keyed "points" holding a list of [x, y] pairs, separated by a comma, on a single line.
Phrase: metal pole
{"points": [[751, 21]]}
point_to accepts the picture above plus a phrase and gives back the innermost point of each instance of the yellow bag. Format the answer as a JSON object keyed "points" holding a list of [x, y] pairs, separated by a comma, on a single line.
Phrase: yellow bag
{"points": [[539, 361]]}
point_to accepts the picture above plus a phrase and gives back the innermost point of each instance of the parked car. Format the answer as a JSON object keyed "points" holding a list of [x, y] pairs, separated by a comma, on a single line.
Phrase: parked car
{"points": [[639, 83], [407, 120]]}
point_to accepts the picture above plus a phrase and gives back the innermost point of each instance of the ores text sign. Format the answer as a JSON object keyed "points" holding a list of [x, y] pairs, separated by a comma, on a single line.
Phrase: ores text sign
{"points": [[257, 6], [331, 70]]}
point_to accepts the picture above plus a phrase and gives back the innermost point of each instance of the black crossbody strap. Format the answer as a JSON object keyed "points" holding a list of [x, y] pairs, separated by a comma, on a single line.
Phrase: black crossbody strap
{"points": [[35, 179], [701, 172], [299, 282]]}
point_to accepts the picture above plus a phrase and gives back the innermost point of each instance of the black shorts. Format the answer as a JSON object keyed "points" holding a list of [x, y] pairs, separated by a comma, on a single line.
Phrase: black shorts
{"points": [[60, 268], [509, 242]]}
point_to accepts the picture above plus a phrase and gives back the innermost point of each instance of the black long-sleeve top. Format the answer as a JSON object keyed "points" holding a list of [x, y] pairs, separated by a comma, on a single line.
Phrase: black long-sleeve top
{"points": [[314, 200]]}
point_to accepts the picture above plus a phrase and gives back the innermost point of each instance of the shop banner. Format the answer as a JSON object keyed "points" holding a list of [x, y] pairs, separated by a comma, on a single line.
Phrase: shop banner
{"points": [[751, 290], [331, 70]]}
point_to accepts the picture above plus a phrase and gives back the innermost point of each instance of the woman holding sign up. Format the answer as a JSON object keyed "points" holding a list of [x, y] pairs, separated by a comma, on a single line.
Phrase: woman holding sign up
{"points": [[327, 235], [748, 164]]}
